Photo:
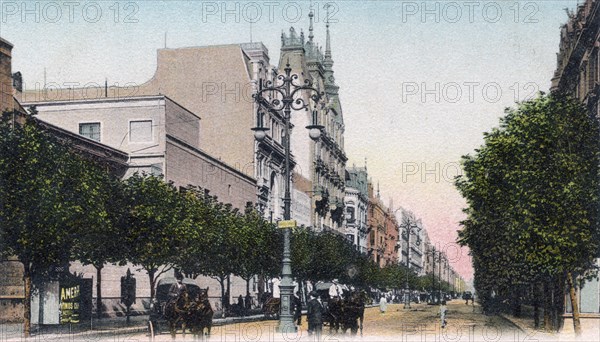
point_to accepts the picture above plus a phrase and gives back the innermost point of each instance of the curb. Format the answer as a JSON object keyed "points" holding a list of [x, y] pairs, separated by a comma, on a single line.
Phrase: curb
{"points": [[512, 322]]}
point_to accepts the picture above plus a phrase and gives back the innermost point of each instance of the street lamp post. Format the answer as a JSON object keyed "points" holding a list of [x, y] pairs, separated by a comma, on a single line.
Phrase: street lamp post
{"points": [[409, 227], [440, 276], [433, 251], [288, 97]]}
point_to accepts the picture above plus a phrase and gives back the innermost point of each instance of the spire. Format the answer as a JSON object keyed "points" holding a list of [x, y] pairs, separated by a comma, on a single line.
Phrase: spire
{"points": [[328, 39], [310, 28], [378, 194]]}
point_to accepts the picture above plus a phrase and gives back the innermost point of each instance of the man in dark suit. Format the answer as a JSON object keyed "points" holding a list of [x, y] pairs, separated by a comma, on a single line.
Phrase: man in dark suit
{"points": [[297, 308], [315, 315]]}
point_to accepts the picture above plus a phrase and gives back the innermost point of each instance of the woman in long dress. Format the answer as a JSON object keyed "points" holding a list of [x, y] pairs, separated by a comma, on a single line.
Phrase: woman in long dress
{"points": [[382, 304]]}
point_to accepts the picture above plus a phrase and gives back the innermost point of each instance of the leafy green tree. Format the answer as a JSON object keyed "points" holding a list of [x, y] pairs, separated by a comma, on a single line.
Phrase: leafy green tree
{"points": [[194, 256], [45, 190], [158, 225], [532, 195], [259, 248], [102, 229], [222, 251]]}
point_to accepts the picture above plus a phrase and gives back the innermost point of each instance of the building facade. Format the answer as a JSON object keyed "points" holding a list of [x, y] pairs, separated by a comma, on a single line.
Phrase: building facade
{"points": [[382, 230], [357, 202], [157, 136], [215, 83], [160, 137], [578, 74], [320, 163]]}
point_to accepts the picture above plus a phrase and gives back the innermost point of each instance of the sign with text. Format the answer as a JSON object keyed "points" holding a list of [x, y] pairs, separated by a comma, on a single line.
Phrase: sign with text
{"points": [[69, 304], [287, 224], [75, 300]]}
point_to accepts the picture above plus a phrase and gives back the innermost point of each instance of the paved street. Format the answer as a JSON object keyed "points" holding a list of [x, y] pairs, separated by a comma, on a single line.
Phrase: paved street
{"points": [[421, 323]]}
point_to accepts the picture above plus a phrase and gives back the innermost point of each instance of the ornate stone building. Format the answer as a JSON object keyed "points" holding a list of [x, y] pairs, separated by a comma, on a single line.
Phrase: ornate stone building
{"points": [[578, 74], [382, 230], [320, 168], [270, 153], [578, 71], [357, 202]]}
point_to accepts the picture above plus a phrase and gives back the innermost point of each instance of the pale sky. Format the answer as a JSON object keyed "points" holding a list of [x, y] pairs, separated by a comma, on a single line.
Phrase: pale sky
{"points": [[420, 81]]}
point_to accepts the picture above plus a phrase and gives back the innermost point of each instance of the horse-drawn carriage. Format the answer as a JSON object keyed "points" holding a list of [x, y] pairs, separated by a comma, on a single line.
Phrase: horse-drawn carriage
{"points": [[343, 313], [191, 310]]}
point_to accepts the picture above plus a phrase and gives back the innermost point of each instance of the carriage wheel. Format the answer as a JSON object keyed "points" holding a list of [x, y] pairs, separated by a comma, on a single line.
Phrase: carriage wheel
{"points": [[151, 331]]}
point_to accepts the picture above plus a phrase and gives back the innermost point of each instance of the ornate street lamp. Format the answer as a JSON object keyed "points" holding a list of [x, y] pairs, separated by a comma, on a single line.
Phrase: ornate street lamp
{"points": [[409, 228], [287, 97], [432, 252]]}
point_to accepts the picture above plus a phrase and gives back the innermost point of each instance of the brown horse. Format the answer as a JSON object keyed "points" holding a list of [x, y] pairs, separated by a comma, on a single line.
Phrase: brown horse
{"points": [[177, 311], [200, 315], [353, 310], [333, 314]]}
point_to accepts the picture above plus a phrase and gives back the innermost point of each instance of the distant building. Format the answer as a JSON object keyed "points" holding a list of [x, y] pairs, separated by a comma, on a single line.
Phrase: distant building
{"points": [[357, 203], [382, 241], [578, 74]]}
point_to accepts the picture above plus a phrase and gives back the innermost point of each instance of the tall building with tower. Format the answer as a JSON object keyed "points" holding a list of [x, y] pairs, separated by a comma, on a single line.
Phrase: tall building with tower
{"points": [[320, 168]]}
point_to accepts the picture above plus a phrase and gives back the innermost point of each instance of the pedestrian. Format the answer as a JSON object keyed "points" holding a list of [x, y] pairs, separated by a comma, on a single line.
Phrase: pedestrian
{"points": [[443, 311], [382, 304], [314, 315], [240, 303], [248, 303], [297, 308]]}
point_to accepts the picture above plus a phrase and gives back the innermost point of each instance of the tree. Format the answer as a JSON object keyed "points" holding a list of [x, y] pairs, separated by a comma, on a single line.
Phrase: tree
{"points": [[532, 195], [222, 251], [158, 224], [43, 196], [257, 246], [194, 256], [103, 222]]}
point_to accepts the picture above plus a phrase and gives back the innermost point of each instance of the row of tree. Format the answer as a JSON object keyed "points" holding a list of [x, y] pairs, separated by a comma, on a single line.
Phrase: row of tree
{"points": [[57, 206], [533, 207]]}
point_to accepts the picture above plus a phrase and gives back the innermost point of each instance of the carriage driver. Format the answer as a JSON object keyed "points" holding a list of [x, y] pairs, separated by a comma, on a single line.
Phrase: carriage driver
{"points": [[335, 290], [177, 289]]}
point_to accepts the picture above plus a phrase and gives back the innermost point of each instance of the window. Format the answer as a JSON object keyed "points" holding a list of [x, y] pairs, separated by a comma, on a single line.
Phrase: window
{"points": [[350, 214], [140, 131], [90, 130]]}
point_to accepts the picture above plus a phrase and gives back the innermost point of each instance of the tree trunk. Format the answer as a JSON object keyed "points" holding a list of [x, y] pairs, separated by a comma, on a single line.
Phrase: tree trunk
{"points": [[261, 288], [516, 303], [99, 289], [547, 307], [536, 305], [559, 301], [248, 286], [574, 304], [222, 284], [151, 274], [27, 300]]}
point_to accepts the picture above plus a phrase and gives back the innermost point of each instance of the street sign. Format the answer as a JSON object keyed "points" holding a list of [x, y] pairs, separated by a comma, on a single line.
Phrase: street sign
{"points": [[287, 224]]}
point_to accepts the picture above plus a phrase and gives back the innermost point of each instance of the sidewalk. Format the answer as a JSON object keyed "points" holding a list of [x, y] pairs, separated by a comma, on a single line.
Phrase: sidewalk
{"points": [[97, 328], [590, 330]]}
